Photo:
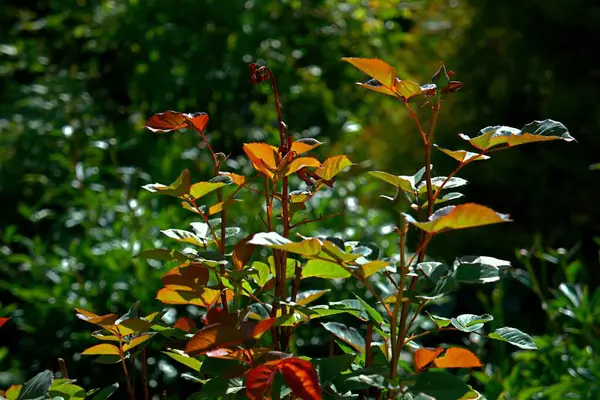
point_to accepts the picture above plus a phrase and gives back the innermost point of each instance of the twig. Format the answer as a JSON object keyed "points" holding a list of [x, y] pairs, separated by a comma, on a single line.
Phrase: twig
{"points": [[63, 368], [308, 221]]}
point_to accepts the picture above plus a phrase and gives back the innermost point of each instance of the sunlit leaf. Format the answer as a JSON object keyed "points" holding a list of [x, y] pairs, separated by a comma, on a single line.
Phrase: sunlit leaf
{"points": [[441, 322], [259, 381], [459, 217], [101, 349], [100, 320], [173, 120], [309, 296], [200, 189], [179, 188], [263, 157], [186, 324], [333, 166], [372, 267], [300, 376], [470, 322], [192, 277], [514, 337], [324, 269], [376, 69], [136, 341], [298, 163], [185, 237], [438, 181], [536, 131], [184, 359], [305, 145], [212, 337], [204, 298], [12, 393], [479, 269], [424, 356], [463, 155], [236, 179], [457, 358], [346, 333], [307, 247], [219, 206], [375, 86], [162, 255]]}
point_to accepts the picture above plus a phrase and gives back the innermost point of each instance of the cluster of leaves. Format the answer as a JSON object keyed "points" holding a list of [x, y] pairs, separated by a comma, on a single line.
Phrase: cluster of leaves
{"points": [[245, 297]]}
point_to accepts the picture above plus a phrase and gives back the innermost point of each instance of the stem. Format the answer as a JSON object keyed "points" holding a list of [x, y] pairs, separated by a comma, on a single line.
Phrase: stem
{"points": [[399, 296], [283, 146], [129, 387], [144, 375], [63, 368], [308, 221]]}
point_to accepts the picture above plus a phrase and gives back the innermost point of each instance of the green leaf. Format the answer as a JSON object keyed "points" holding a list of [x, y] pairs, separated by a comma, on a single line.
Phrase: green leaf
{"points": [[37, 387], [324, 269], [463, 156], [307, 247], [332, 367], [185, 237], [470, 322], [309, 296], [536, 131], [474, 269], [373, 380], [200, 189], [347, 334], [404, 182], [438, 181], [373, 314], [441, 385], [441, 322], [459, 217], [67, 390], [514, 337], [333, 166], [106, 392], [264, 273], [162, 255], [179, 188]]}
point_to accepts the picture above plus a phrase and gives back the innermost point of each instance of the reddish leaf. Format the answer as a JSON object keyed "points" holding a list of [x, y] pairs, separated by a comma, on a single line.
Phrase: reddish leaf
{"points": [[457, 358], [259, 382], [216, 315], [263, 157], [242, 252], [203, 298], [253, 329], [301, 377], [173, 120], [100, 320], [213, 337], [192, 277], [424, 357], [3, 321], [102, 349], [186, 324]]}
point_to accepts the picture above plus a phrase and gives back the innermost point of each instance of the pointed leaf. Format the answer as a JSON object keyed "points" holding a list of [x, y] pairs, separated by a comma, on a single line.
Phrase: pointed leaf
{"points": [[185, 237], [307, 247], [192, 277], [473, 269], [463, 156], [514, 337], [457, 358], [324, 269], [441, 322], [212, 337], [404, 182], [301, 377], [536, 131], [132, 325], [300, 162], [3, 321], [438, 181], [179, 188], [333, 166], [100, 349], [242, 253], [470, 322], [376, 69], [184, 359], [173, 120], [200, 189], [309, 296], [254, 330], [204, 298], [305, 145], [162, 255], [100, 320], [186, 324], [459, 217], [259, 382], [372, 267], [263, 157], [424, 356], [136, 341], [106, 392], [236, 179], [347, 334]]}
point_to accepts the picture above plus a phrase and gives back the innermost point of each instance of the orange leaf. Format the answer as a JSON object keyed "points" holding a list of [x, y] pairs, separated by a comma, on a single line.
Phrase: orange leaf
{"points": [[376, 69], [3, 321], [301, 162], [189, 278], [424, 356], [235, 178], [457, 358], [301, 377], [100, 320], [253, 329], [303, 145], [212, 337], [259, 381], [173, 120], [463, 216], [263, 157], [186, 324], [242, 252]]}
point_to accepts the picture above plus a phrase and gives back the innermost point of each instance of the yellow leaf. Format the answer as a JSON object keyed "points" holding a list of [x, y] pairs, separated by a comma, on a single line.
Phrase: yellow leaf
{"points": [[204, 298], [459, 217], [101, 349], [264, 157], [301, 162], [463, 155], [203, 188], [333, 166], [304, 145], [376, 69], [136, 341]]}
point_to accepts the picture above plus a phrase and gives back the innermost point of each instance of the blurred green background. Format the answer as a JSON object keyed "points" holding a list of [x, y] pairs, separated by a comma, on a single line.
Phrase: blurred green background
{"points": [[79, 78]]}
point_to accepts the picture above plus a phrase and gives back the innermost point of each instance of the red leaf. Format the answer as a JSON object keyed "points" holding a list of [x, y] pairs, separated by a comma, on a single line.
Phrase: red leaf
{"points": [[259, 381], [301, 377], [424, 356], [242, 252], [212, 337], [457, 358], [3, 321], [253, 329], [186, 324], [173, 120]]}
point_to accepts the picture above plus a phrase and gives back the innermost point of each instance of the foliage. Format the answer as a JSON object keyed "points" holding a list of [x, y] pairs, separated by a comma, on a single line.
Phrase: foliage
{"points": [[245, 299]]}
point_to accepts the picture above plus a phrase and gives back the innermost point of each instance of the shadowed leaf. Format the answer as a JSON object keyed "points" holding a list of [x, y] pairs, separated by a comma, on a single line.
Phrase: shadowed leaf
{"points": [[242, 252], [309, 296], [186, 324], [173, 120], [300, 162], [347, 334], [184, 359], [192, 277], [440, 385], [300, 375], [37, 387], [479, 269], [3, 321], [212, 337], [204, 298], [179, 188], [259, 382], [136, 341]]}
